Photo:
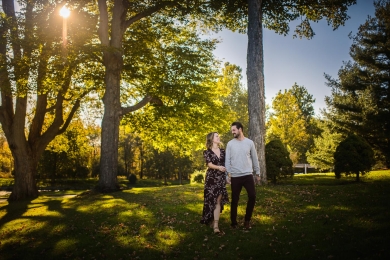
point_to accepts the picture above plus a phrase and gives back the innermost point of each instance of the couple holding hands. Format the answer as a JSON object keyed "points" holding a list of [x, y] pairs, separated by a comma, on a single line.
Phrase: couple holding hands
{"points": [[234, 166]]}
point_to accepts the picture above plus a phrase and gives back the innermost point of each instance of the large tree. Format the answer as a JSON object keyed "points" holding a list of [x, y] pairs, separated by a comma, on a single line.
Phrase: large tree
{"points": [[276, 15], [118, 19], [360, 99], [41, 89]]}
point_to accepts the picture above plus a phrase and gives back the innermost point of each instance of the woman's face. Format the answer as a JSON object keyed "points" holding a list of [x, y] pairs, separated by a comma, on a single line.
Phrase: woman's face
{"points": [[216, 138]]}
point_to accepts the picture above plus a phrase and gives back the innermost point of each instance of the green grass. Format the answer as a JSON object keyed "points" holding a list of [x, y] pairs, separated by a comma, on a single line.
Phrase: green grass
{"points": [[83, 184], [313, 216]]}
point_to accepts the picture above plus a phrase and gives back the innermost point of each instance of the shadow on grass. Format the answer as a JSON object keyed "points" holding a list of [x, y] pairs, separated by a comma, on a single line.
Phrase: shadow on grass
{"points": [[120, 224], [290, 222], [13, 211]]}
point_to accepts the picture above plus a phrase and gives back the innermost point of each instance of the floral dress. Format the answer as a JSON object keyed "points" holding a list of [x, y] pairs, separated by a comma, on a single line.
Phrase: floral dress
{"points": [[215, 184]]}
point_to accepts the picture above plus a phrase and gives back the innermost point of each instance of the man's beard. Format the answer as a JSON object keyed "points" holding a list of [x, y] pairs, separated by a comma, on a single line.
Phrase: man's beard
{"points": [[236, 135]]}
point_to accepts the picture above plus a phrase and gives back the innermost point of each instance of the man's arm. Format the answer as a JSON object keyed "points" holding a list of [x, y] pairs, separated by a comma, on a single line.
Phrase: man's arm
{"points": [[227, 158], [227, 162], [255, 160]]}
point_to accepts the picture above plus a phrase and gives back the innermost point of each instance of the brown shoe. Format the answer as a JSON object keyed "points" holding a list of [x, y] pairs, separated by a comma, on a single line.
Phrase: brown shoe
{"points": [[247, 225]]}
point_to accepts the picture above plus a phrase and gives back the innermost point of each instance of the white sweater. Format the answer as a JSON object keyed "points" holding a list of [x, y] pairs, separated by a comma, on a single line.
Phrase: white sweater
{"points": [[241, 158]]}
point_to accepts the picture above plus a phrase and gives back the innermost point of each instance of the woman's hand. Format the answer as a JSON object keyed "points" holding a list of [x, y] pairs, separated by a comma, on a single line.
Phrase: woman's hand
{"points": [[221, 168]]}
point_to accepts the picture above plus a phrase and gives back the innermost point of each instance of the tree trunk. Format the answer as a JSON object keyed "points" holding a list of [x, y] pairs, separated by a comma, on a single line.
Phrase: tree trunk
{"points": [[141, 174], [110, 124], [25, 186], [255, 75]]}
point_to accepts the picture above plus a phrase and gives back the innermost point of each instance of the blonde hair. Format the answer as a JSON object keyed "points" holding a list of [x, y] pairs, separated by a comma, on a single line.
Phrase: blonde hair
{"points": [[209, 140]]}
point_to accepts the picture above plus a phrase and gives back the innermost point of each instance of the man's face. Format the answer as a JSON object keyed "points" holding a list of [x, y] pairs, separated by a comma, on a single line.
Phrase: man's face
{"points": [[236, 132]]}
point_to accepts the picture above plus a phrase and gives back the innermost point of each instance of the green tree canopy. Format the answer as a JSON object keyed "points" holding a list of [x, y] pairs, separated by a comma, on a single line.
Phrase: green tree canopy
{"points": [[360, 99], [287, 122], [305, 103], [324, 147], [186, 79], [236, 99]]}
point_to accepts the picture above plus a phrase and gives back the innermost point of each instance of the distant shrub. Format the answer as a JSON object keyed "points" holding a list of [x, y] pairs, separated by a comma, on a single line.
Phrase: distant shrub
{"points": [[278, 162], [132, 178], [353, 156], [198, 177]]}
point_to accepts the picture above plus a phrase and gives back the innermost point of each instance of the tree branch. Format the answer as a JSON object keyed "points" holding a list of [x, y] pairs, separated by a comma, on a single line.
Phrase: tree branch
{"points": [[149, 11], [70, 116], [72, 112], [103, 27], [141, 104]]}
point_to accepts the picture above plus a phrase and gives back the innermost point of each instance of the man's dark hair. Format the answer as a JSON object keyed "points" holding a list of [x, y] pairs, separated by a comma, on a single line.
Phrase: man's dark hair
{"points": [[238, 125]]}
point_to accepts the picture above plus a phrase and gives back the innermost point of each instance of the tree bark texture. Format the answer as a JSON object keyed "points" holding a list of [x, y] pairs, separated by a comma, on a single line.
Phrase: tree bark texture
{"points": [[113, 62], [255, 76], [25, 171], [110, 124]]}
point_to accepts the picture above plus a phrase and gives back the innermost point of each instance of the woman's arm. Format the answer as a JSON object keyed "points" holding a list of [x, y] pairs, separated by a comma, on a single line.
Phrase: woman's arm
{"points": [[216, 167]]}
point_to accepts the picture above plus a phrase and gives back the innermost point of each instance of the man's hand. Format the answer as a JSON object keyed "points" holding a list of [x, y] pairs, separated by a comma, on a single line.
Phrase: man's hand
{"points": [[258, 179], [228, 181]]}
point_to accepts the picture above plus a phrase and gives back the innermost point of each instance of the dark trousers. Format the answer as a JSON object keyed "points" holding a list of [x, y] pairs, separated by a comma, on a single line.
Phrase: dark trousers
{"points": [[236, 185]]}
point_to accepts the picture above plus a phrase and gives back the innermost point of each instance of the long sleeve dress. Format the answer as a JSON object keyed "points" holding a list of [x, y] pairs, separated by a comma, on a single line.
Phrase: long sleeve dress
{"points": [[215, 184]]}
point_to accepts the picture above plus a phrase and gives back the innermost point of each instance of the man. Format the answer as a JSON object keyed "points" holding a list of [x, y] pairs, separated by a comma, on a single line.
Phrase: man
{"points": [[240, 162]]}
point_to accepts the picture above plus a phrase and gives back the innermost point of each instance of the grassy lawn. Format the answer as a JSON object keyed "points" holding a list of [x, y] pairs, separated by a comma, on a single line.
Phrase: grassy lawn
{"points": [[83, 184], [312, 216]]}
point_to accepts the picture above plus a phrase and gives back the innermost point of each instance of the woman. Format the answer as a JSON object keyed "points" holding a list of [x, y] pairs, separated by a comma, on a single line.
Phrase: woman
{"points": [[215, 194]]}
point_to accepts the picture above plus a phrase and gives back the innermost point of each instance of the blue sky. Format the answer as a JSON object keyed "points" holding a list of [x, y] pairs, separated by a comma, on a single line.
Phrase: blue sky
{"points": [[288, 60]]}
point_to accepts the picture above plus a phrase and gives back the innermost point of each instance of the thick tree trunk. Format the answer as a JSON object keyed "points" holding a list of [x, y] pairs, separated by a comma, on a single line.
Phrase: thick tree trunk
{"points": [[25, 171], [110, 123], [255, 75]]}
